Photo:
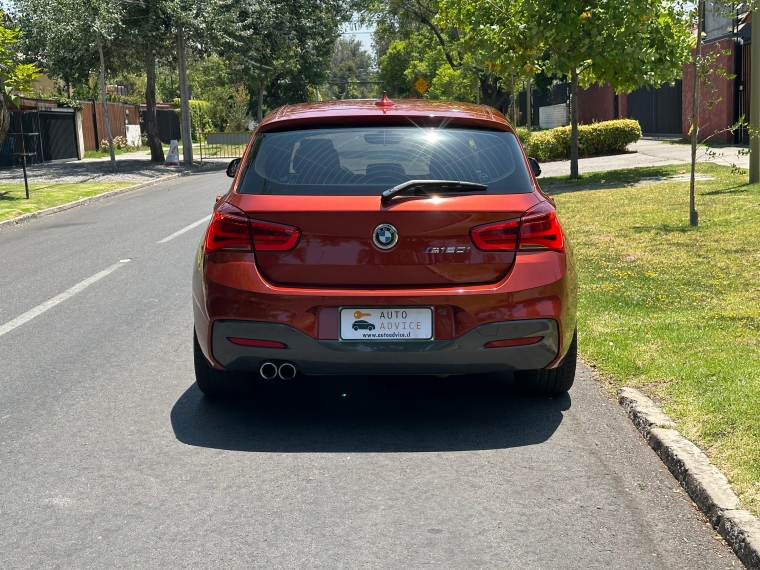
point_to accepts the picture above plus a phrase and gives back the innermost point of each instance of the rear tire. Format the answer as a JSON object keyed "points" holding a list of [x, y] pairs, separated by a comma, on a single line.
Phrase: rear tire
{"points": [[555, 381], [211, 381]]}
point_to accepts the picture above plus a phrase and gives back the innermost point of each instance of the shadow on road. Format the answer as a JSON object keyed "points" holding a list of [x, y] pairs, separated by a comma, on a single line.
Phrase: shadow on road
{"points": [[343, 414]]}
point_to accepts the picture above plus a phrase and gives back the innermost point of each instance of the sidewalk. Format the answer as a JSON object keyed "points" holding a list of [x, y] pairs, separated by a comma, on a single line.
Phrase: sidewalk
{"points": [[130, 167], [648, 152]]}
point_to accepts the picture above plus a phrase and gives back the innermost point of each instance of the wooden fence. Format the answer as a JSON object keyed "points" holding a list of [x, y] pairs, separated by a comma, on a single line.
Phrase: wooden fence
{"points": [[119, 116]]}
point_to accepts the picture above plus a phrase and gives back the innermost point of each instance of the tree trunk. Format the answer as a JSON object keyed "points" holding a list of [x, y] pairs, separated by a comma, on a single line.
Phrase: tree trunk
{"points": [[105, 106], [574, 124], [5, 116], [184, 100], [693, 216], [514, 102], [260, 109], [151, 123], [491, 93], [528, 105]]}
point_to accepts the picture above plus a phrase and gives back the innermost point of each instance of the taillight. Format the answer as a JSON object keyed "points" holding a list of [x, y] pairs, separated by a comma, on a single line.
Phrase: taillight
{"points": [[274, 237], [229, 230], [501, 236], [540, 229]]}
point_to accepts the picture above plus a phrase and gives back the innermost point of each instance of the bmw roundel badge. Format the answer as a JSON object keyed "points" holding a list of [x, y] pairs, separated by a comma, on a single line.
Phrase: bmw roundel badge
{"points": [[385, 236]]}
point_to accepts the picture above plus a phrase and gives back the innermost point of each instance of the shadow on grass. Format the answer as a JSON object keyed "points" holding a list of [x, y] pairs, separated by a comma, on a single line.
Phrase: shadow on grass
{"points": [[741, 189], [665, 228], [604, 180], [368, 414]]}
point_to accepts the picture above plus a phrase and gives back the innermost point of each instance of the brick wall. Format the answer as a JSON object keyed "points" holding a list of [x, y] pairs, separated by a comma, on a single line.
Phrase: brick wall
{"points": [[595, 104], [721, 115]]}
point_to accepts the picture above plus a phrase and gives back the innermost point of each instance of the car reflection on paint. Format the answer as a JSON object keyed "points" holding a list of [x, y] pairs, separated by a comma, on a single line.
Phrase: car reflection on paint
{"points": [[362, 324]]}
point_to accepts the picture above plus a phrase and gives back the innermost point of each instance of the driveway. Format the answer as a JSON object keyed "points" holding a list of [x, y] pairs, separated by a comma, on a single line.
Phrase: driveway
{"points": [[649, 152], [111, 458]]}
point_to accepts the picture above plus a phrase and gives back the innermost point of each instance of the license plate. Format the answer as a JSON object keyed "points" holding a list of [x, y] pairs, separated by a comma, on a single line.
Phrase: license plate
{"points": [[399, 323]]}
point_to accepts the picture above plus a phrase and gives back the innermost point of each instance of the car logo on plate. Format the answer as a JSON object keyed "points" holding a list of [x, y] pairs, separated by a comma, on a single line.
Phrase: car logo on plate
{"points": [[385, 236]]}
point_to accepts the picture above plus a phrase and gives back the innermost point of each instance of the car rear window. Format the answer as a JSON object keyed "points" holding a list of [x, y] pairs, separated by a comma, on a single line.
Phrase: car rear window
{"points": [[369, 160]]}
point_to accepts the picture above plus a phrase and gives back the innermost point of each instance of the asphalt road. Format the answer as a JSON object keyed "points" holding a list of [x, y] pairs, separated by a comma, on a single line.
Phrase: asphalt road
{"points": [[111, 458]]}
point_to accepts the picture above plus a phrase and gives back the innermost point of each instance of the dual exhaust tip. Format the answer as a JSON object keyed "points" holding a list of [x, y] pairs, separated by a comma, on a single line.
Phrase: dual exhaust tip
{"points": [[270, 371]]}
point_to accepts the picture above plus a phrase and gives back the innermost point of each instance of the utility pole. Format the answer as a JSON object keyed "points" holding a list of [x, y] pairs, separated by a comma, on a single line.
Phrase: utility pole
{"points": [[754, 103], [184, 102]]}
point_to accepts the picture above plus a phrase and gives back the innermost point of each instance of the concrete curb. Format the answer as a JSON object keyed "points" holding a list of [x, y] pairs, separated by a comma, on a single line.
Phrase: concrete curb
{"points": [[707, 487], [81, 202]]}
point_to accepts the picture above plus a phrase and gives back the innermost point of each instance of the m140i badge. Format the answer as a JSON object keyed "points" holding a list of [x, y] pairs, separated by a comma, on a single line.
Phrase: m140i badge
{"points": [[462, 249]]}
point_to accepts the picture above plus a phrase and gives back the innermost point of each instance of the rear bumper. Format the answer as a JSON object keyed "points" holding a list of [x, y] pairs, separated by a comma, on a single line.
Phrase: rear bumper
{"points": [[228, 288], [463, 355]]}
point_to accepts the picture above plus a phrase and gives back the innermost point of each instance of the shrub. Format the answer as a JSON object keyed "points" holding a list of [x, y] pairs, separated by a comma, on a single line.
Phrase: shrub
{"points": [[200, 116], [119, 142], [524, 135], [597, 139]]}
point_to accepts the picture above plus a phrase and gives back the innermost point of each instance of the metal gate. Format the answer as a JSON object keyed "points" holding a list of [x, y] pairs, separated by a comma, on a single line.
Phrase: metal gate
{"points": [[167, 123], [48, 134], [741, 93], [58, 134], [225, 145], [26, 122], [658, 111]]}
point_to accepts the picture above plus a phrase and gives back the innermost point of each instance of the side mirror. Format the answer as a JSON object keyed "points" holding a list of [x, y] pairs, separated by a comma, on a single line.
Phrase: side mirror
{"points": [[535, 167], [232, 168]]}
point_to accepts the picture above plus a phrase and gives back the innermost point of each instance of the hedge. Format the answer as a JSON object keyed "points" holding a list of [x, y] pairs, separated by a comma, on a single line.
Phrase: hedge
{"points": [[524, 135], [200, 116], [597, 139]]}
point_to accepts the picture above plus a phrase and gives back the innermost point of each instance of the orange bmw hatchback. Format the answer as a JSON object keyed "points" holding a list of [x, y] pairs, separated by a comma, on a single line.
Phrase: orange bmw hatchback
{"points": [[382, 237]]}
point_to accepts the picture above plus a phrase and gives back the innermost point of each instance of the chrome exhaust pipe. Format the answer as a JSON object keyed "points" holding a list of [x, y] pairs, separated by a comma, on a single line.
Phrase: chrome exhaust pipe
{"points": [[287, 371], [268, 370]]}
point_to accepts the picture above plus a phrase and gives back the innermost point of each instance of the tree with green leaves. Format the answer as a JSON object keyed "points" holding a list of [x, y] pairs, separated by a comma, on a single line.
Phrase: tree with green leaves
{"points": [[15, 75], [624, 44], [75, 33], [283, 48], [351, 71], [420, 28], [421, 56]]}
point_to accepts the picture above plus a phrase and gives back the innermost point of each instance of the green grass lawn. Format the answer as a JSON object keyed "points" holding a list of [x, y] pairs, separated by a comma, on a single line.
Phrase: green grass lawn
{"points": [[102, 154], [675, 310], [13, 202]]}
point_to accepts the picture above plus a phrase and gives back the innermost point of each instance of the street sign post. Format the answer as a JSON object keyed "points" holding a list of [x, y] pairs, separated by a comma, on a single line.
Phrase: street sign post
{"points": [[421, 85]]}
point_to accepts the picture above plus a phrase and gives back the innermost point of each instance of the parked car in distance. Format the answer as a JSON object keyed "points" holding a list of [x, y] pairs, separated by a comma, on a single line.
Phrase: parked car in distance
{"points": [[385, 237]]}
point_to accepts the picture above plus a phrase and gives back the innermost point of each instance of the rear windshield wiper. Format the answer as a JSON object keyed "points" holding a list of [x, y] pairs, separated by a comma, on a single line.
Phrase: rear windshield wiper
{"points": [[422, 187]]}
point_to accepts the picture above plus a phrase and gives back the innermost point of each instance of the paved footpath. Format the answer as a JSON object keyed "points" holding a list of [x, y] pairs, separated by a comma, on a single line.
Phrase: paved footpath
{"points": [[649, 152], [111, 458], [130, 167]]}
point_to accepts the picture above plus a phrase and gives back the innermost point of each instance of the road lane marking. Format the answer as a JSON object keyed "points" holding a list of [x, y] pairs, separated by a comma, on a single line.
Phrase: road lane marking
{"points": [[183, 230], [49, 304]]}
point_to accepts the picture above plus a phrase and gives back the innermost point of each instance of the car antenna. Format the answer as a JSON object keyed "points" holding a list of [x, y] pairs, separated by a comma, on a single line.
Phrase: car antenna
{"points": [[384, 101]]}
